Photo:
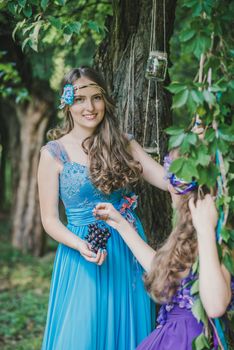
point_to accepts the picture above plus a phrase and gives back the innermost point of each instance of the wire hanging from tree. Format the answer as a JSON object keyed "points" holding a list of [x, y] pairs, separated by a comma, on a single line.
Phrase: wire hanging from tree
{"points": [[156, 70]]}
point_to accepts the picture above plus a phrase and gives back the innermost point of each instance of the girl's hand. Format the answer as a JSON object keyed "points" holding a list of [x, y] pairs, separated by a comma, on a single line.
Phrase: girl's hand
{"points": [[204, 214], [106, 212], [88, 255]]}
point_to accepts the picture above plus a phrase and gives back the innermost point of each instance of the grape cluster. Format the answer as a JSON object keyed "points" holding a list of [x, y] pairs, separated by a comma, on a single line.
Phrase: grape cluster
{"points": [[97, 237]]}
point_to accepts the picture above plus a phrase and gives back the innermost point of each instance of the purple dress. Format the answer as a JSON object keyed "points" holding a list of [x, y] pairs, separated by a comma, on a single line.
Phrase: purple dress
{"points": [[177, 327]]}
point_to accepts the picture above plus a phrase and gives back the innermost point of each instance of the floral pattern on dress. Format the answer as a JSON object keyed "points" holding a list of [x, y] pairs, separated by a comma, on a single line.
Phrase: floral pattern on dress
{"points": [[72, 178], [182, 298]]}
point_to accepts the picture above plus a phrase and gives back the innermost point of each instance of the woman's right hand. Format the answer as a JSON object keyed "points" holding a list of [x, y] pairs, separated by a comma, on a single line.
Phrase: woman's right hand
{"points": [[106, 212], [89, 255]]}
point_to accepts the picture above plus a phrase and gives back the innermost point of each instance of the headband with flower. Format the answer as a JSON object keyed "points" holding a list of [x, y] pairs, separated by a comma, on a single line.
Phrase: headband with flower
{"points": [[180, 185], [70, 91]]}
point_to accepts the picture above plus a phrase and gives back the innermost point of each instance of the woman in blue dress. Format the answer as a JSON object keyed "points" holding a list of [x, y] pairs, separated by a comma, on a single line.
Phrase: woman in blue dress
{"points": [[97, 297]]}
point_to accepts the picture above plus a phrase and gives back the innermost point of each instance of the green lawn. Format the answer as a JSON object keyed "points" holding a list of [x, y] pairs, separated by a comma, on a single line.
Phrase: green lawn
{"points": [[24, 290]]}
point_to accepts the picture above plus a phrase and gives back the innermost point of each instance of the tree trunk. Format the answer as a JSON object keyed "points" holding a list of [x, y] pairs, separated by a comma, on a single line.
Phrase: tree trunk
{"points": [[9, 134], [122, 58], [3, 153], [27, 231]]}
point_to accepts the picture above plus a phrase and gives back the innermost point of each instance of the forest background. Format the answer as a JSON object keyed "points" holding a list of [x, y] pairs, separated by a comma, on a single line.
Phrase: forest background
{"points": [[39, 42]]}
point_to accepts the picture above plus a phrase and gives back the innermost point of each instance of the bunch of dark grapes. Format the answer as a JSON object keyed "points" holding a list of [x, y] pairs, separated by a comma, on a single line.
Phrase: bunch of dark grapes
{"points": [[97, 237]]}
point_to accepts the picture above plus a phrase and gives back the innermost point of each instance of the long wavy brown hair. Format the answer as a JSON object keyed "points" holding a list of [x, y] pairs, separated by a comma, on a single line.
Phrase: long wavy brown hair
{"points": [[111, 165], [175, 256]]}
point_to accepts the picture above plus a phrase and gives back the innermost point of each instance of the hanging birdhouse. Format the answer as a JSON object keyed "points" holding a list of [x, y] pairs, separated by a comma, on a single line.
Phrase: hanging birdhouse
{"points": [[156, 66]]}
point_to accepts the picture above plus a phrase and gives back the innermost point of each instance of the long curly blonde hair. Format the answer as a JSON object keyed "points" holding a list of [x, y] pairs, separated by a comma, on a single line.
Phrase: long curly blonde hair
{"points": [[111, 165], [176, 255]]}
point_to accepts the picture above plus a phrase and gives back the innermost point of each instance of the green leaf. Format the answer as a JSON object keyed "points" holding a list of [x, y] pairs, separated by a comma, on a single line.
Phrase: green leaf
{"points": [[187, 35], [61, 2], [174, 130], [189, 3], [203, 159], [225, 234], [208, 176], [216, 88], [18, 26], [198, 311], [176, 165], [12, 8], [75, 27], [209, 97], [201, 45], [68, 29], [197, 96], [94, 26], [201, 343], [32, 40], [197, 10], [55, 22], [195, 266], [175, 87], [176, 140], [210, 135], [226, 133], [185, 146], [223, 146], [195, 287], [180, 99], [28, 28], [22, 3], [27, 10], [191, 105], [231, 232], [25, 42], [192, 138], [44, 4], [228, 262], [189, 170]]}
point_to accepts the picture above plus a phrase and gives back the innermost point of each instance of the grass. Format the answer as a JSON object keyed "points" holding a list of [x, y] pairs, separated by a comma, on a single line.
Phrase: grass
{"points": [[24, 291]]}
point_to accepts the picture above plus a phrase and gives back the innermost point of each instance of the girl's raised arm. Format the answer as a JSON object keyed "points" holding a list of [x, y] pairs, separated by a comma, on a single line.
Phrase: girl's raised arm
{"points": [[214, 279]]}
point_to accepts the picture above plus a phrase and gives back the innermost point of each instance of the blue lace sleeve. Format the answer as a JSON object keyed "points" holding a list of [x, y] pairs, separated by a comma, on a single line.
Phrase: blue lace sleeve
{"points": [[53, 148]]}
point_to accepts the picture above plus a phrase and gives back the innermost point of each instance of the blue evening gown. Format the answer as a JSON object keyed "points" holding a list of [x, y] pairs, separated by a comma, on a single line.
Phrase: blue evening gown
{"points": [[94, 307]]}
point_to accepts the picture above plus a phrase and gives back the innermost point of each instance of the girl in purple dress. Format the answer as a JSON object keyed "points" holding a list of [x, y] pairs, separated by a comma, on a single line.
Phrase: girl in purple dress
{"points": [[169, 274]]}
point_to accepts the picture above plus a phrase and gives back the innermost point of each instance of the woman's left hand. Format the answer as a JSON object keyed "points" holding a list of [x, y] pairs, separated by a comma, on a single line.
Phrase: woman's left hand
{"points": [[204, 213]]}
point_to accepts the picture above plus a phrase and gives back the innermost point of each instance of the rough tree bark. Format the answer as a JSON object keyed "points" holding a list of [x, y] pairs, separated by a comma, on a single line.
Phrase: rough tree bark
{"points": [[122, 58], [27, 232]]}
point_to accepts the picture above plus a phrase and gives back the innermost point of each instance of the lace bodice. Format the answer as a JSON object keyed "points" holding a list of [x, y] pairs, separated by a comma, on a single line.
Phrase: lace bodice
{"points": [[75, 188]]}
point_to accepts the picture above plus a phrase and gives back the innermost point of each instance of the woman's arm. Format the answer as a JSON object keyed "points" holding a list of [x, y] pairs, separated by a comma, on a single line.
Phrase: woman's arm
{"points": [[153, 172], [214, 279], [142, 251], [48, 184]]}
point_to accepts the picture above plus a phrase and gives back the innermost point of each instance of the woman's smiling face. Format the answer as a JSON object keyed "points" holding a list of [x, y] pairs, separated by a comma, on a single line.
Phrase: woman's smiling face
{"points": [[88, 109]]}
